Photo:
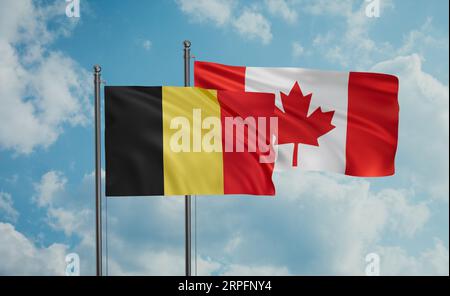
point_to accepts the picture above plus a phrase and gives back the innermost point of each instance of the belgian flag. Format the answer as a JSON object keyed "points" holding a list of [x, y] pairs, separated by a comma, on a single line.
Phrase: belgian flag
{"points": [[163, 141]]}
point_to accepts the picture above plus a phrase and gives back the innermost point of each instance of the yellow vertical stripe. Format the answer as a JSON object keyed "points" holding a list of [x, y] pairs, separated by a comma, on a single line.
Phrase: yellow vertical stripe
{"points": [[190, 172]]}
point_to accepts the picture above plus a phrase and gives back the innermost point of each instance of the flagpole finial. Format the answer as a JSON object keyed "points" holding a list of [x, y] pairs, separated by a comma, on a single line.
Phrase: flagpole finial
{"points": [[187, 43], [97, 68]]}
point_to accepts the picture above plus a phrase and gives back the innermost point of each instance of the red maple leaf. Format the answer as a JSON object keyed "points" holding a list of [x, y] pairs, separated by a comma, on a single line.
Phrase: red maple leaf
{"points": [[294, 124]]}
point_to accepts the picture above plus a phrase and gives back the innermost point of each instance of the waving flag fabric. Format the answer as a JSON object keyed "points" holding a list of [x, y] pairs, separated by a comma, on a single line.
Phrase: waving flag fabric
{"points": [[170, 141], [344, 122]]}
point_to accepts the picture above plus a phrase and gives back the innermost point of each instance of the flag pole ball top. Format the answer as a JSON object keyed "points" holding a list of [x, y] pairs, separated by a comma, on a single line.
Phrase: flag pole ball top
{"points": [[97, 69], [187, 43]]}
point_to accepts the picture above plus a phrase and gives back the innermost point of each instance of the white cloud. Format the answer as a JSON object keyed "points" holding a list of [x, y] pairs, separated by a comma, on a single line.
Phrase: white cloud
{"points": [[148, 262], [47, 88], [63, 213], [331, 221], [7, 207], [20, 256], [58, 86], [326, 7], [12, 179], [206, 266], [233, 243], [243, 270], [70, 222], [248, 22], [416, 40], [253, 25], [69, 213], [143, 259], [283, 9], [341, 219], [351, 40], [404, 218], [349, 218], [218, 12], [297, 50], [147, 44], [51, 184], [20, 21], [432, 261]]}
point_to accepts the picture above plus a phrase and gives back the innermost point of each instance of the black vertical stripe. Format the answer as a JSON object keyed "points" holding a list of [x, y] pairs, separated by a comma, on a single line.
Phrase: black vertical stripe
{"points": [[134, 141]]}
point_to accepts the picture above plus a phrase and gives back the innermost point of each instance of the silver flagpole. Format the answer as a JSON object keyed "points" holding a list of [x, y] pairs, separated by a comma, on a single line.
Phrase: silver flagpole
{"points": [[98, 176], [187, 202]]}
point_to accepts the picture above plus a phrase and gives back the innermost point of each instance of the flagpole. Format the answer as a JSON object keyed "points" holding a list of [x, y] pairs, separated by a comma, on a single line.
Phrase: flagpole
{"points": [[187, 202], [98, 176]]}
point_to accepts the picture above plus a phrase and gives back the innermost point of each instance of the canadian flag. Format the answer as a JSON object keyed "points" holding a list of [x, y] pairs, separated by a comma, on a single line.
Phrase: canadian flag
{"points": [[343, 122]]}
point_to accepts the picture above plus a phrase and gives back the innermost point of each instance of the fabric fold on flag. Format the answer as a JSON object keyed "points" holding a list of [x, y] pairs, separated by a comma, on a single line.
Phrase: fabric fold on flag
{"points": [[343, 122], [172, 141]]}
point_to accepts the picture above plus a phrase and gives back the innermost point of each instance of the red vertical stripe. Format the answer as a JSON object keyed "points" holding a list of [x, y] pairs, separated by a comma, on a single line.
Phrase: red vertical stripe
{"points": [[372, 124], [218, 76], [243, 173]]}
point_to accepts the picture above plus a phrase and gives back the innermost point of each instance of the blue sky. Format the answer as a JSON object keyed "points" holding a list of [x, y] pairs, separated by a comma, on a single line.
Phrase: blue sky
{"points": [[317, 224]]}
